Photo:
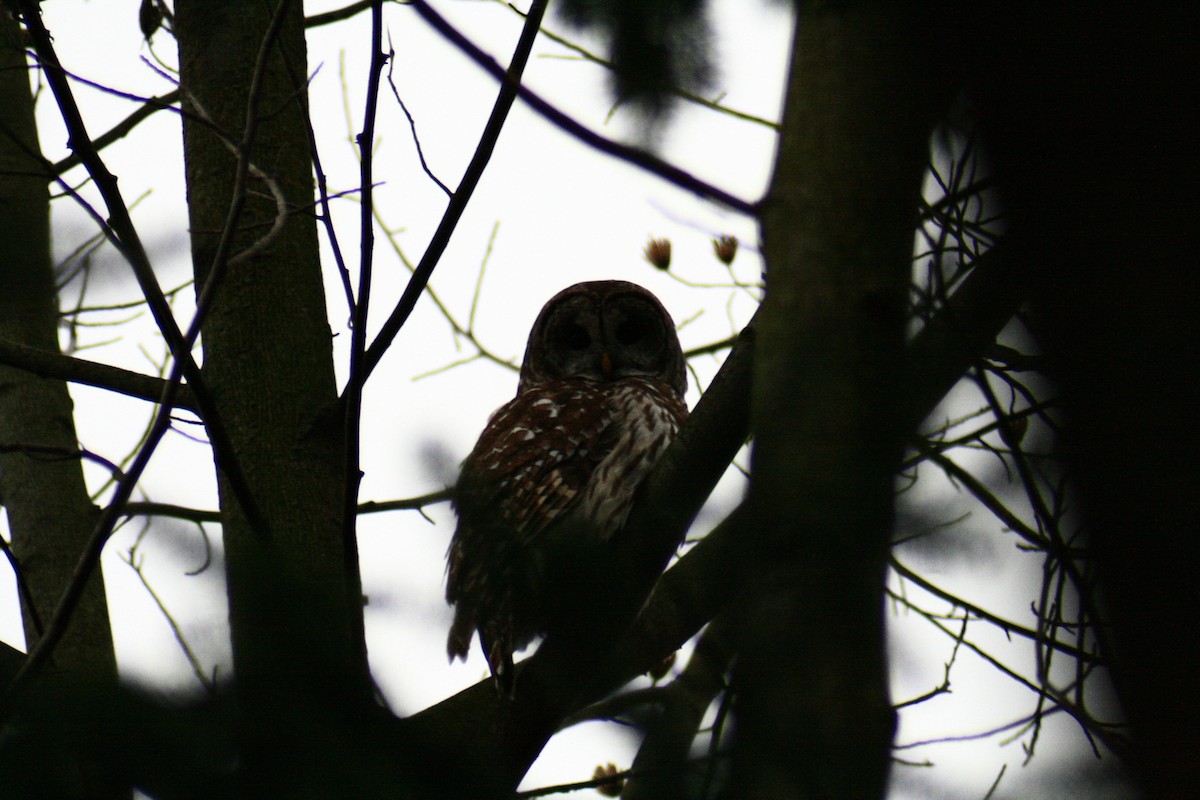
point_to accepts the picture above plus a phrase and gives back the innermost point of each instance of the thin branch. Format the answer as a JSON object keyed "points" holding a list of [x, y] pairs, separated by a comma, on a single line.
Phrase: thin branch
{"points": [[135, 563], [587, 55], [974, 737], [631, 155], [944, 686], [1087, 723], [465, 331], [91, 373], [339, 14], [412, 125], [458, 202], [986, 498], [563, 788], [52, 453], [120, 230], [149, 508], [22, 586], [122, 128], [81, 309], [711, 347], [975, 611]]}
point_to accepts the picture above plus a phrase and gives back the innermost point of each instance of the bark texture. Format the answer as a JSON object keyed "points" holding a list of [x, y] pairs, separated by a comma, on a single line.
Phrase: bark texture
{"points": [[49, 512], [294, 594], [814, 718], [50, 516]]}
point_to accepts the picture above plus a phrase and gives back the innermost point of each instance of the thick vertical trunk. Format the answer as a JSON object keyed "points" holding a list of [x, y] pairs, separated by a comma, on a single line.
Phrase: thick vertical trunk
{"points": [[50, 515], [1090, 116], [49, 512], [838, 225], [294, 595]]}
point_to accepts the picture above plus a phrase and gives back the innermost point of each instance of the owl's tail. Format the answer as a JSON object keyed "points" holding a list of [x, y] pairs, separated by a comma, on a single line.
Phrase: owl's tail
{"points": [[458, 643], [499, 657]]}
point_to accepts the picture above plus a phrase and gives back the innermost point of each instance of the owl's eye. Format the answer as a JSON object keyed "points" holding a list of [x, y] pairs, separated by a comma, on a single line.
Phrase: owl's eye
{"points": [[631, 331], [573, 336]]}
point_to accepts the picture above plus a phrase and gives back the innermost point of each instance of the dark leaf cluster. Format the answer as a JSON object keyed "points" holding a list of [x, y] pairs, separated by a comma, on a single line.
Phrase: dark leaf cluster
{"points": [[657, 47]]}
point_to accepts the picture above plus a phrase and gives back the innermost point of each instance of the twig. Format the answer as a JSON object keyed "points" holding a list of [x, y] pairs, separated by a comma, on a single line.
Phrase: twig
{"points": [[52, 453], [466, 188], [412, 125], [337, 15], [944, 686], [563, 788], [22, 586], [122, 128], [199, 515], [465, 331], [135, 563], [975, 611]]}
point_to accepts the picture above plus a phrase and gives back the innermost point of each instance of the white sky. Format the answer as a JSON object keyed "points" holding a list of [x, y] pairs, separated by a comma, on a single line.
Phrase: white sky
{"points": [[560, 214]]}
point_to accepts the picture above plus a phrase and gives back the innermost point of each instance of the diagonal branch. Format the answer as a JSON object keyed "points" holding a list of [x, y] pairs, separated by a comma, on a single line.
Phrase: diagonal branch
{"points": [[505, 737], [510, 86], [632, 155], [124, 237], [122, 128]]}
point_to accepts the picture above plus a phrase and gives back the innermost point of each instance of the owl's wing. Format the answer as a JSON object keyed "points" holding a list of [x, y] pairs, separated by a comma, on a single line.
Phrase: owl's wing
{"points": [[534, 458], [527, 469]]}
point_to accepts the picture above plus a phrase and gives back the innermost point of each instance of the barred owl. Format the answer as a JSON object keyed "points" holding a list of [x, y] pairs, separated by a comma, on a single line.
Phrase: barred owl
{"points": [[555, 471]]}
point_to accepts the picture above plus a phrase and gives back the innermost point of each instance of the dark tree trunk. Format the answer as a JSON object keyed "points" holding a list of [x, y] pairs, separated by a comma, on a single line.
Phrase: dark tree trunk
{"points": [[1090, 114], [294, 592], [813, 715], [49, 511], [50, 515]]}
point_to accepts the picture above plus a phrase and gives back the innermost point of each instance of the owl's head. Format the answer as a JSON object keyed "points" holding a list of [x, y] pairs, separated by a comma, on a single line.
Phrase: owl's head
{"points": [[603, 331]]}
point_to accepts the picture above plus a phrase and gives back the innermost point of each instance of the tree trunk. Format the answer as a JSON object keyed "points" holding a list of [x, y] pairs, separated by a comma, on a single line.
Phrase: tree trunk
{"points": [[294, 593], [814, 719], [1090, 117], [50, 514]]}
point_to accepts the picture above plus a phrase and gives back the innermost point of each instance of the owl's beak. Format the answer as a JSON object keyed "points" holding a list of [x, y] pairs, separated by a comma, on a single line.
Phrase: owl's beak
{"points": [[606, 366]]}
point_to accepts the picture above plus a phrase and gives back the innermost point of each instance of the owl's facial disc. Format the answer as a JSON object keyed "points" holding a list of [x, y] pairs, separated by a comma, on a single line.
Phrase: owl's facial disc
{"points": [[603, 331]]}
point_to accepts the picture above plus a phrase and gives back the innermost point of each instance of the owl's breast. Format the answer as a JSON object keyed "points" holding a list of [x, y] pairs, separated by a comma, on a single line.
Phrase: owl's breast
{"points": [[645, 415]]}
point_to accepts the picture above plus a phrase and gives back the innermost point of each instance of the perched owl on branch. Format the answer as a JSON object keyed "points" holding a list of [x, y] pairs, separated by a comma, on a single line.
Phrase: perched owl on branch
{"points": [[555, 471]]}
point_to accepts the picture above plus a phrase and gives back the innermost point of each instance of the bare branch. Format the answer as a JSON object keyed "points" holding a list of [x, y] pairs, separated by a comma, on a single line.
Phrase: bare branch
{"points": [[632, 155], [146, 508], [588, 55], [975, 611], [483, 152], [122, 128], [91, 373], [121, 232], [135, 562]]}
